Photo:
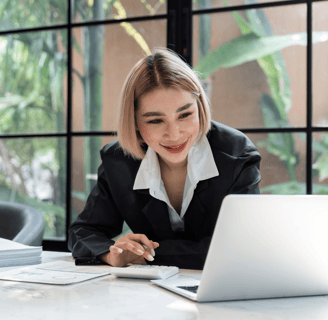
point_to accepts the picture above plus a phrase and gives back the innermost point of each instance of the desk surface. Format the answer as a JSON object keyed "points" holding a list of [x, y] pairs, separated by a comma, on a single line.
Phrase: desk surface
{"points": [[114, 298]]}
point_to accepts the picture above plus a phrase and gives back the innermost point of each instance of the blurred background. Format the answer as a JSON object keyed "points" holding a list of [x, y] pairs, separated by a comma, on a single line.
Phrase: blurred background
{"points": [[263, 65]]}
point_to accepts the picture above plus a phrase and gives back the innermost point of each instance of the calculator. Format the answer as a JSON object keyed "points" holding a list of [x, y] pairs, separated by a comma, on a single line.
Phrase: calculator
{"points": [[143, 271]]}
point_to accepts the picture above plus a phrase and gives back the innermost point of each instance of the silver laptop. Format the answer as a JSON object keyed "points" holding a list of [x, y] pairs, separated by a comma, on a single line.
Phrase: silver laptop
{"points": [[263, 246]]}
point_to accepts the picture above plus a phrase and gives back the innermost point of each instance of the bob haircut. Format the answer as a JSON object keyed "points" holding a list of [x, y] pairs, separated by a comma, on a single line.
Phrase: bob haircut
{"points": [[162, 69]]}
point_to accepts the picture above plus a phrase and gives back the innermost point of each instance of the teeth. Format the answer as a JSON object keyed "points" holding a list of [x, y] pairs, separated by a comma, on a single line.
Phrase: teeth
{"points": [[172, 147]]}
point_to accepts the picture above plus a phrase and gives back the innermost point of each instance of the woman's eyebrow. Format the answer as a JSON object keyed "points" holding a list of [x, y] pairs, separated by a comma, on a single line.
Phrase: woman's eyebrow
{"points": [[183, 108], [154, 113]]}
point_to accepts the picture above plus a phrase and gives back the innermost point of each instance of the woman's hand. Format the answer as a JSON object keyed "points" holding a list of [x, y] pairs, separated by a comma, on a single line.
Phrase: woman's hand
{"points": [[132, 248]]}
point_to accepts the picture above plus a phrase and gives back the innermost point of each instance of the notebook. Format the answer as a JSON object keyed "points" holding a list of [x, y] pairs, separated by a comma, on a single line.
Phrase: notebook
{"points": [[263, 246]]}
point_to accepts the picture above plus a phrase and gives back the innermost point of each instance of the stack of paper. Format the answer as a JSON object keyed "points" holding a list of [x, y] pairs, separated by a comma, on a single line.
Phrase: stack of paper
{"points": [[16, 254]]}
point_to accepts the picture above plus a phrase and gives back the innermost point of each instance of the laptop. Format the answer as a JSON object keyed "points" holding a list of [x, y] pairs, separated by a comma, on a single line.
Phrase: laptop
{"points": [[263, 246]]}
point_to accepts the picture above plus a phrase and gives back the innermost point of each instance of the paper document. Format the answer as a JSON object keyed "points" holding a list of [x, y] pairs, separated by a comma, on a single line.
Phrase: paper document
{"points": [[17, 254], [8, 247], [59, 272]]}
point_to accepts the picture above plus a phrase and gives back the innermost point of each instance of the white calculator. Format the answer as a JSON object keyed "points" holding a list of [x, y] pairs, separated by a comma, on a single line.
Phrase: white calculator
{"points": [[143, 271]]}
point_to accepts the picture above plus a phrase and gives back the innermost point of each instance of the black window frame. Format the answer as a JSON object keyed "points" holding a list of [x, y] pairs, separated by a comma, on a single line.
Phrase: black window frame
{"points": [[179, 38]]}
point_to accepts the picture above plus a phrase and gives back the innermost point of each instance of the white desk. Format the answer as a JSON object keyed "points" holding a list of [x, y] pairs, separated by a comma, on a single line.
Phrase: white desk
{"points": [[125, 299]]}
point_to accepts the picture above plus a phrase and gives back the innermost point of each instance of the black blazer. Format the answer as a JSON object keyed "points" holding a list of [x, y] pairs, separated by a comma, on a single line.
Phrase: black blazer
{"points": [[113, 201]]}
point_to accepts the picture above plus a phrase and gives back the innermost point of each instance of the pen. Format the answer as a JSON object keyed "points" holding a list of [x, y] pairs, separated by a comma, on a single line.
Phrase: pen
{"points": [[88, 262]]}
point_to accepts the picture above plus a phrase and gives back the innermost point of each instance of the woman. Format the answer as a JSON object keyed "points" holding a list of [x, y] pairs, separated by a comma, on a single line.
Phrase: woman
{"points": [[167, 175]]}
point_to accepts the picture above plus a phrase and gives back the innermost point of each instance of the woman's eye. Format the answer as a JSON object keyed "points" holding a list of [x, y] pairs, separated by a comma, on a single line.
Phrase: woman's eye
{"points": [[185, 115], [182, 116], [155, 121]]}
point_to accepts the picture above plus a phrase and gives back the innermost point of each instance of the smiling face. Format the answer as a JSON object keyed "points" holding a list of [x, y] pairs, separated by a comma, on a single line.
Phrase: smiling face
{"points": [[168, 122]]}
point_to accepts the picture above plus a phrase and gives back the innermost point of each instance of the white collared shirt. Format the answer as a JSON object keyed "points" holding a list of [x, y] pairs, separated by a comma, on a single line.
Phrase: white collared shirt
{"points": [[201, 166]]}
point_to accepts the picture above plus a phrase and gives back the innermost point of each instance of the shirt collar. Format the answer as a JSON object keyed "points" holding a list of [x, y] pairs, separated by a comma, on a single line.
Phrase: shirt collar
{"points": [[201, 166]]}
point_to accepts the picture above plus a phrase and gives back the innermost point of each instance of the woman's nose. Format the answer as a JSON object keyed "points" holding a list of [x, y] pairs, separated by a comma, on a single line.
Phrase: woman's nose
{"points": [[172, 131]]}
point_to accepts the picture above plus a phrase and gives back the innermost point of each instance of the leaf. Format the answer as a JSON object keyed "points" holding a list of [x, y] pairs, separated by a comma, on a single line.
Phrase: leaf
{"points": [[282, 145], [79, 195], [62, 7], [316, 145], [322, 166], [12, 100], [319, 189], [324, 140], [250, 47], [274, 68], [7, 24], [271, 115], [243, 25], [258, 21], [76, 46], [131, 31]]}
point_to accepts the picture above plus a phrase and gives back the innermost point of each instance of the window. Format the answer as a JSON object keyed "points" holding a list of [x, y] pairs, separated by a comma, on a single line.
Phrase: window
{"points": [[259, 72], [63, 64], [62, 67]]}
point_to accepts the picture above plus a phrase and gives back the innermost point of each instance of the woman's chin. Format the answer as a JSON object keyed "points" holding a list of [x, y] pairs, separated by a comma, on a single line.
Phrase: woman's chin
{"points": [[174, 159]]}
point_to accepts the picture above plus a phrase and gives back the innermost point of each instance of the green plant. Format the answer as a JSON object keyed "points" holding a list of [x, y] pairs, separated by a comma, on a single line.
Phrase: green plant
{"points": [[258, 43], [321, 163], [32, 69]]}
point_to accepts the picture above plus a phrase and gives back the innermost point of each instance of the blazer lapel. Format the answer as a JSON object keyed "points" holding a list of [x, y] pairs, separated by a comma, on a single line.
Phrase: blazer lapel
{"points": [[156, 212], [195, 213], [201, 185]]}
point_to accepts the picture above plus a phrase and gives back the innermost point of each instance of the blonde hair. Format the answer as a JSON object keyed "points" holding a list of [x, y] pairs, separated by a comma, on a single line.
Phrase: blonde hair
{"points": [[162, 69]]}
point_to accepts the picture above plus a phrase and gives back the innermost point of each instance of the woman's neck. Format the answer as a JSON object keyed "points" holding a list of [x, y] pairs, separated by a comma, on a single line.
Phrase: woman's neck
{"points": [[172, 167]]}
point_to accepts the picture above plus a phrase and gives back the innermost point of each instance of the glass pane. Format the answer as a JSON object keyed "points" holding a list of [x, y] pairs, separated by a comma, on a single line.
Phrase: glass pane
{"points": [[86, 10], [102, 58], [320, 65], [18, 14], [249, 82], [33, 82], [33, 173], [283, 162], [207, 4], [86, 160], [320, 163]]}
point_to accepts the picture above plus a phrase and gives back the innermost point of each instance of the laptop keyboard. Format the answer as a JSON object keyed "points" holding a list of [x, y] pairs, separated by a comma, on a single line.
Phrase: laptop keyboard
{"points": [[189, 288]]}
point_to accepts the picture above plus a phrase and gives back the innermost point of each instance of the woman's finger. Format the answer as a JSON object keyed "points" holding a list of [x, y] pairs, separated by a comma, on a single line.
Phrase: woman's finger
{"points": [[141, 238], [132, 246], [115, 249], [155, 244], [135, 248], [138, 244]]}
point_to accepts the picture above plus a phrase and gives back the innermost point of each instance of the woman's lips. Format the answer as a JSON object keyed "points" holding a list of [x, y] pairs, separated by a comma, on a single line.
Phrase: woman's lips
{"points": [[175, 149]]}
